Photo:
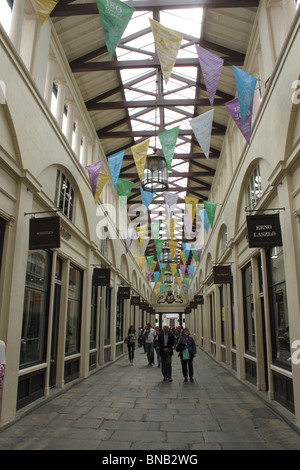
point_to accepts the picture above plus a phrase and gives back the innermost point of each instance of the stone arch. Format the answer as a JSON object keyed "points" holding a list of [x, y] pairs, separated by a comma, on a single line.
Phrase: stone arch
{"points": [[220, 247], [208, 264], [48, 179], [124, 267], [10, 142]]}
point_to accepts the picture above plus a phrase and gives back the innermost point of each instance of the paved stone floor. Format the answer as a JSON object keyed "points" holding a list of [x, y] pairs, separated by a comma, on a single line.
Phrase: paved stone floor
{"points": [[123, 407]]}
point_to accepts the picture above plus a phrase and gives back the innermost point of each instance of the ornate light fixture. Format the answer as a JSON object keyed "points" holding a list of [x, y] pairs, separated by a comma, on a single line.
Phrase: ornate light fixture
{"points": [[165, 256], [156, 175], [168, 278]]}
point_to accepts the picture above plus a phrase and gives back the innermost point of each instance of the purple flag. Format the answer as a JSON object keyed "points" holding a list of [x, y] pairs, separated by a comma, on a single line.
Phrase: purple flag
{"points": [[233, 107], [211, 66], [93, 171]]}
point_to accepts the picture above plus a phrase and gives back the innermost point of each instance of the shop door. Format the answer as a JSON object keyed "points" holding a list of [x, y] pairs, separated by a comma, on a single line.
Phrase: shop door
{"points": [[264, 341], [53, 359]]}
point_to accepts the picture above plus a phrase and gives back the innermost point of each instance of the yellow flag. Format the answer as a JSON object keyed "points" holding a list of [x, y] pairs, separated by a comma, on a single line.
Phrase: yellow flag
{"points": [[183, 257], [172, 246], [100, 185], [158, 285], [167, 42], [191, 205], [179, 281], [141, 262], [173, 267], [153, 267], [171, 226], [141, 231], [44, 8], [139, 152]]}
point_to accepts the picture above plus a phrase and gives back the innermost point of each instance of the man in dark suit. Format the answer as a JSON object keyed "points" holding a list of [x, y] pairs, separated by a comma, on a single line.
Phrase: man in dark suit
{"points": [[166, 343]]}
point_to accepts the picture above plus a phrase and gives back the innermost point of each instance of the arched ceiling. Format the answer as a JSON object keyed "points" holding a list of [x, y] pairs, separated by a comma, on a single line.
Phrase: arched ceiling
{"points": [[128, 100]]}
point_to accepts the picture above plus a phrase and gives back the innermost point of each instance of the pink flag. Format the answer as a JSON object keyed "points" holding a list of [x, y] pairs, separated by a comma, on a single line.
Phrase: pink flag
{"points": [[211, 66], [233, 107], [93, 171]]}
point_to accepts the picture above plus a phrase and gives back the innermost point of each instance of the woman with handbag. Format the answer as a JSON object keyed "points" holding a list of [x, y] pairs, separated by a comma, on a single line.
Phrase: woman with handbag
{"points": [[131, 340], [187, 350]]}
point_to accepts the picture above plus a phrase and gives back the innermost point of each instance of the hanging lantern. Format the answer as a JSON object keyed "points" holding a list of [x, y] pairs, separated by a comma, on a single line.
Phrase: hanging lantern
{"points": [[165, 256], [168, 277], [156, 175]]}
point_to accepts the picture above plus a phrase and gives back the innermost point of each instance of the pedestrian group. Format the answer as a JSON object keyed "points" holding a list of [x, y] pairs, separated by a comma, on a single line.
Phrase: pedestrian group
{"points": [[163, 342]]}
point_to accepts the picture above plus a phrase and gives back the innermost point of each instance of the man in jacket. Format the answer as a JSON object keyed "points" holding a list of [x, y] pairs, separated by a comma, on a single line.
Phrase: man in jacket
{"points": [[165, 344]]}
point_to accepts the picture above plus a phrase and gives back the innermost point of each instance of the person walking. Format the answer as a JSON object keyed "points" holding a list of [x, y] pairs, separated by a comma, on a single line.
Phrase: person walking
{"points": [[166, 343], [156, 347], [131, 340], [186, 342], [149, 335]]}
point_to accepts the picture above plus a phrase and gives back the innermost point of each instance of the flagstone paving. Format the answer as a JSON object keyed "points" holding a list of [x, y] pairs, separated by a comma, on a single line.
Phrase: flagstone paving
{"points": [[123, 407]]}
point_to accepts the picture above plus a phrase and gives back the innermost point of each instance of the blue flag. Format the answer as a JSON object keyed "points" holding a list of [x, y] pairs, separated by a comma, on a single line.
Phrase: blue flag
{"points": [[115, 163], [146, 199], [204, 219], [245, 84]]}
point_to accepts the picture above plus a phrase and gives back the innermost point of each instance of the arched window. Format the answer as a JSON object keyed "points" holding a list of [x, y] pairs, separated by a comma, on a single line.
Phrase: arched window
{"points": [[64, 195], [254, 188]]}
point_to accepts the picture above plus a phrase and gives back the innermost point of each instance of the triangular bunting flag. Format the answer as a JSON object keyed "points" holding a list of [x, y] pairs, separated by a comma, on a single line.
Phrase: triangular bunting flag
{"points": [[173, 247], [191, 270], [187, 281], [158, 245], [155, 226], [115, 16], [163, 268], [102, 179], [245, 85], [167, 42], [141, 261], [93, 172], [146, 199], [150, 260], [211, 67], [202, 126], [139, 152], [128, 236], [210, 208], [186, 248], [145, 244], [171, 201], [233, 107], [183, 257], [204, 219], [168, 143], [153, 266], [44, 8], [156, 276], [115, 163], [191, 206], [171, 226], [173, 267]]}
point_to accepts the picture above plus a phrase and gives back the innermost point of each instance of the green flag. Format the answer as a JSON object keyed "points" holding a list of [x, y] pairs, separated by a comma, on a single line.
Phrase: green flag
{"points": [[155, 226], [158, 245], [115, 16], [123, 188], [168, 143], [210, 208]]}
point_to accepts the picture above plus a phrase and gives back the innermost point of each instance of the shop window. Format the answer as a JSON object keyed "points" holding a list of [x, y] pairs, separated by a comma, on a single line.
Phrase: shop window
{"points": [[107, 316], [232, 316], [222, 312], [254, 188], [35, 311], [74, 311], [278, 308], [120, 319], [64, 195], [94, 310], [250, 337]]}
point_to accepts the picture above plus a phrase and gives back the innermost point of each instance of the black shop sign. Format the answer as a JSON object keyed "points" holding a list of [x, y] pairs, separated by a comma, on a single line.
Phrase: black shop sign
{"points": [[44, 233], [135, 300], [264, 231], [101, 277], [222, 274], [124, 292]]}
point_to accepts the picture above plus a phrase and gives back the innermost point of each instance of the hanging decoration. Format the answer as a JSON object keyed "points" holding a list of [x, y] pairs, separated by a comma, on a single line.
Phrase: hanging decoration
{"points": [[158, 245], [167, 42], [202, 126], [171, 226], [93, 172], [155, 227], [44, 8], [168, 143], [245, 85], [211, 67], [204, 219], [128, 237], [102, 179], [124, 188], [210, 208], [233, 108], [141, 261], [115, 16], [115, 163], [171, 201], [139, 152], [146, 199]]}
